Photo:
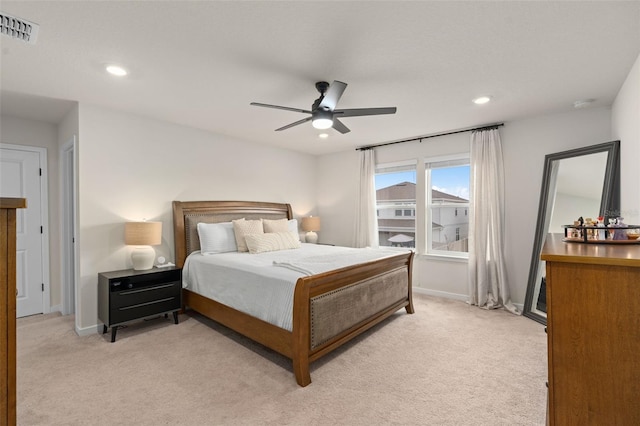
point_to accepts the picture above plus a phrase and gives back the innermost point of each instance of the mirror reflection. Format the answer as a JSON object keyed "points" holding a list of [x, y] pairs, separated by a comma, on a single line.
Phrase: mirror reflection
{"points": [[581, 182]]}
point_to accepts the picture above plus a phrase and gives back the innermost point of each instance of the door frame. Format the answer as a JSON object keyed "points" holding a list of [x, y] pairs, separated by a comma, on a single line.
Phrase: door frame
{"points": [[69, 225], [44, 218]]}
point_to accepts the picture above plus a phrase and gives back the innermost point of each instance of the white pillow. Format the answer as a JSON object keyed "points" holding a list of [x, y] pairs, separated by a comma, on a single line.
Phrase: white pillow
{"points": [[293, 227], [273, 241], [281, 225], [216, 237], [242, 227], [277, 225]]}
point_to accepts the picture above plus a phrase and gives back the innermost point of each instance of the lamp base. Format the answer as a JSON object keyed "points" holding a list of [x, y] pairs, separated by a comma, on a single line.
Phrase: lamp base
{"points": [[311, 237], [143, 257]]}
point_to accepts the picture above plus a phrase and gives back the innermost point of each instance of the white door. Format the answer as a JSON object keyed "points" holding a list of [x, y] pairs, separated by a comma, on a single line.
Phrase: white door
{"points": [[20, 178]]}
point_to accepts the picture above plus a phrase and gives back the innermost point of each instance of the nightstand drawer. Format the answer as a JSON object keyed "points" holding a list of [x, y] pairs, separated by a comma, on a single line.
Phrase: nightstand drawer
{"points": [[137, 296], [145, 309]]}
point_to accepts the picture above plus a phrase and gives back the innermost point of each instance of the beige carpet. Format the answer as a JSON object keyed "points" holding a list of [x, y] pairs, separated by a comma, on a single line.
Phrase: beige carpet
{"points": [[448, 364]]}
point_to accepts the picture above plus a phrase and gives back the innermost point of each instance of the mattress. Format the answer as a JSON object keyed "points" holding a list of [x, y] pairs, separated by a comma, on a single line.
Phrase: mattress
{"points": [[262, 285]]}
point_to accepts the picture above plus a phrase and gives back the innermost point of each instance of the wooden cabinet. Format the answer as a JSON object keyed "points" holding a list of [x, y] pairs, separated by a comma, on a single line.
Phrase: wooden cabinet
{"points": [[593, 325], [8, 208]]}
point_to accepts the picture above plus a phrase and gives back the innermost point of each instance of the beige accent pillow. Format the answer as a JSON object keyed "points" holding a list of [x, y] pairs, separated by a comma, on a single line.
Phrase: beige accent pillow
{"points": [[242, 228], [278, 225], [273, 241]]}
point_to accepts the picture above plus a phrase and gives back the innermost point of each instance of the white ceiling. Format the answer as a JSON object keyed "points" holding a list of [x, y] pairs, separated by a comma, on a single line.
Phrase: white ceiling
{"points": [[201, 63]]}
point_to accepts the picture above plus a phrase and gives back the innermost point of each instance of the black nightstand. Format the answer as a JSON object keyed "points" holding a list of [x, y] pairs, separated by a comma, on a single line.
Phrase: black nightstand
{"points": [[129, 295]]}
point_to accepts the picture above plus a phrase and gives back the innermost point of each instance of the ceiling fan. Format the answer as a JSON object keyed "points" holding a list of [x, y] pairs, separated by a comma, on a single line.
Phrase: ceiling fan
{"points": [[323, 111]]}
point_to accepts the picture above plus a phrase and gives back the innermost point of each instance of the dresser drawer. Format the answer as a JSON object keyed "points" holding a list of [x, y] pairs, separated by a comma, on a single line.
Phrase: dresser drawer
{"points": [[145, 309], [137, 296]]}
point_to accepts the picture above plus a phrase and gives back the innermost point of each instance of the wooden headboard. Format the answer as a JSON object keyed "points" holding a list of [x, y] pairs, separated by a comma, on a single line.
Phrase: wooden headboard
{"points": [[187, 214]]}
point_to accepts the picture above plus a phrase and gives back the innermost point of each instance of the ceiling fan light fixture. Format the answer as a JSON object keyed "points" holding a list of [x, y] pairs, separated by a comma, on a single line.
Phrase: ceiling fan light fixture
{"points": [[322, 120], [322, 123]]}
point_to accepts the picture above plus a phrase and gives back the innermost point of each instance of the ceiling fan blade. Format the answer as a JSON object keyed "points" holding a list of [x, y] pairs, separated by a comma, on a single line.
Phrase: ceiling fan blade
{"points": [[333, 95], [304, 120], [281, 107], [356, 112], [339, 126]]}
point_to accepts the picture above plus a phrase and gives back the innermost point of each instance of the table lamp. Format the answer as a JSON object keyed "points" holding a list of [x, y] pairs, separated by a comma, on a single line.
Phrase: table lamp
{"points": [[311, 224], [143, 235]]}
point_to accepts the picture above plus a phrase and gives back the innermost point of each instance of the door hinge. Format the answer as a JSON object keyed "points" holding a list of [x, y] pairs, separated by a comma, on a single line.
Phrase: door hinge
{"points": [[41, 230], [42, 286], [40, 172]]}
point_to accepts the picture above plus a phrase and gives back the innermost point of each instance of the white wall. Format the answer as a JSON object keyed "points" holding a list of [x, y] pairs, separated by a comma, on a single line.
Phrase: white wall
{"points": [[132, 167], [625, 126], [21, 131], [525, 144]]}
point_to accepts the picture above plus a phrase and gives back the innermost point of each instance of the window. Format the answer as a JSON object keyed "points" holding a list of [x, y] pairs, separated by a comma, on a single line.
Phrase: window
{"points": [[396, 205], [448, 181]]}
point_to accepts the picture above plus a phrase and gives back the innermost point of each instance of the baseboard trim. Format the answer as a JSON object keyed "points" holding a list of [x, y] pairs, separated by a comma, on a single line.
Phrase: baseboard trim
{"points": [[86, 331], [454, 296], [443, 294], [56, 308]]}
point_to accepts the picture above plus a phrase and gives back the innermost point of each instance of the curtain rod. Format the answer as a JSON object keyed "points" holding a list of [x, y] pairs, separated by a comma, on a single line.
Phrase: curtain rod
{"points": [[453, 132]]}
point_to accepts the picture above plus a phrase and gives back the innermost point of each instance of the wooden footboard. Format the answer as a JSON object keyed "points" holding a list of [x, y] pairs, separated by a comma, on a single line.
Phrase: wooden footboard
{"points": [[334, 307], [329, 309]]}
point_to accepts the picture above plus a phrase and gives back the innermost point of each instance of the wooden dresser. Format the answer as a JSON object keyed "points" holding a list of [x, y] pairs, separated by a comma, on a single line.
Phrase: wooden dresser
{"points": [[593, 325], [8, 208]]}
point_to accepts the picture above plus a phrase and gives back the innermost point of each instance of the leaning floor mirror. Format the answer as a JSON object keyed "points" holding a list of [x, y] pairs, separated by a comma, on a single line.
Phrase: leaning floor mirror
{"points": [[580, 182]]}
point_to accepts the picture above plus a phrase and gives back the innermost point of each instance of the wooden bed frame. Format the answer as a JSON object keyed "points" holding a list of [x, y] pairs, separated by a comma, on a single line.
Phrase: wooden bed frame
{"points": [[329, 309]]}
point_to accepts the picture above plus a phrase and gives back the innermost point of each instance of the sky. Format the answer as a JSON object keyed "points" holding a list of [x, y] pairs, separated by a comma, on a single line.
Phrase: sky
{"points": [[450, 180]]}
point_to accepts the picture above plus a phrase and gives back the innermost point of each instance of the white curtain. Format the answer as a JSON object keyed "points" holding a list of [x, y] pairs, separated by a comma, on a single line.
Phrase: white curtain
{"points": [[367, 220], [488, 286]]}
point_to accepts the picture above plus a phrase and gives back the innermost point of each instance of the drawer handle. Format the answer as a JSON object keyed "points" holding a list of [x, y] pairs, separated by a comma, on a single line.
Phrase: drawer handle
{"points": [[145, 304], [146, 289]]}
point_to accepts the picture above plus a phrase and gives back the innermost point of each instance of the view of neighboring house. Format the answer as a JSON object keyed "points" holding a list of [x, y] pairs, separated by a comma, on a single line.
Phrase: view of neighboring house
{"points": [[396, 210]]}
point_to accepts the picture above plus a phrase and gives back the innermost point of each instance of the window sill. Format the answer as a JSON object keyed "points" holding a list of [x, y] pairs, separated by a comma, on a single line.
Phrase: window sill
{"points": [[444, 258]]}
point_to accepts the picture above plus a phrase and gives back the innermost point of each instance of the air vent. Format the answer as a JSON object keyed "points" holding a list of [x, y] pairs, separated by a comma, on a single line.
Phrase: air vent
{"points": [[18, 28]]}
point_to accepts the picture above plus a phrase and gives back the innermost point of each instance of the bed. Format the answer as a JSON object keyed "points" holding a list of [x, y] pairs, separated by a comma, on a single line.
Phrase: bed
{"points": [[329, 308]]}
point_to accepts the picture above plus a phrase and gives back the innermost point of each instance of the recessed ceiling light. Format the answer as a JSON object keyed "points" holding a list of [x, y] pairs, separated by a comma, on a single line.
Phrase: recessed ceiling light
{"points": [[323, 135], [482, 100], [116, 70]]}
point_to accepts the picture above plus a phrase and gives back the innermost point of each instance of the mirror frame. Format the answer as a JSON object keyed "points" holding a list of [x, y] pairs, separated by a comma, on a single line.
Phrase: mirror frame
{"points": [[609, 207]]}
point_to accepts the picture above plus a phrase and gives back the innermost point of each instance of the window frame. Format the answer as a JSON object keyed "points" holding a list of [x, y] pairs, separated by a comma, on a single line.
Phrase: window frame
{"points": [[398, 167], [461, 159]]}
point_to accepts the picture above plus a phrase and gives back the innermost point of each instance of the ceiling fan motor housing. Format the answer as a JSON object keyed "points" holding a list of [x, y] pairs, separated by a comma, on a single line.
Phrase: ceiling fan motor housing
{"points": [[322, 86]]}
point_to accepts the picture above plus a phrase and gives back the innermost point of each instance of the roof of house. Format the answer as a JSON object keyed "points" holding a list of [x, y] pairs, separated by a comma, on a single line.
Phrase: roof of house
{"points": [[407, 191]]}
